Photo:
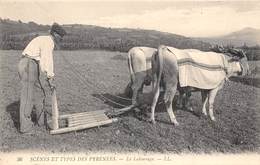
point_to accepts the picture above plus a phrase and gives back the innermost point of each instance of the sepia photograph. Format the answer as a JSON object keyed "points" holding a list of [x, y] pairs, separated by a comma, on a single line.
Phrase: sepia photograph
{"points": [[129, 82]]}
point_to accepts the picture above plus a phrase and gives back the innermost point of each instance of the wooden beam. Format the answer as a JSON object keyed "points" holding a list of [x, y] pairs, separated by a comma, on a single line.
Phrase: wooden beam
{"points": [[123, 110]]}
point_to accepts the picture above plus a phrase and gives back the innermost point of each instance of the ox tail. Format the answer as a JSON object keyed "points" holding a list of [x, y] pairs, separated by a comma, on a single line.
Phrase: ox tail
{"points": [[159, 65], [157, 69]]}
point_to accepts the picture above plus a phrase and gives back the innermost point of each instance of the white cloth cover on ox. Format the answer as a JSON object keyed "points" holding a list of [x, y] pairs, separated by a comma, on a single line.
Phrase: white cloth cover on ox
{"points": [[200, 69]]}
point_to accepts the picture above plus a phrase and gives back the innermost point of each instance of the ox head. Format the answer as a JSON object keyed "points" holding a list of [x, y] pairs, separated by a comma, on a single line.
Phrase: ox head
{"points": [[238, 56], [244, 66]]}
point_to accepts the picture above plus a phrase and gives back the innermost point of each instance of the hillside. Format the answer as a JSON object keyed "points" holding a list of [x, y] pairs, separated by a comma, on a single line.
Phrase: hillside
{"points": [[15, 35], [246, 36]]}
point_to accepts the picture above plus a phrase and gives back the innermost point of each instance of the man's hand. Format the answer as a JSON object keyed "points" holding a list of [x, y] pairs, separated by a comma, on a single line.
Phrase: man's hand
{"points": [[51, 84]]}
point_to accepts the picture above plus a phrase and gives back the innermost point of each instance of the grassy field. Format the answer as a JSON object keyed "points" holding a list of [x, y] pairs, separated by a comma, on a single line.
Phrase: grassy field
{"points": [[81, 75]]}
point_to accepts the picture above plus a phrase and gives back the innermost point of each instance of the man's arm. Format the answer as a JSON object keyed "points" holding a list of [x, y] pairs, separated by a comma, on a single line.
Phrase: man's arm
{"points": [[46, 63]]}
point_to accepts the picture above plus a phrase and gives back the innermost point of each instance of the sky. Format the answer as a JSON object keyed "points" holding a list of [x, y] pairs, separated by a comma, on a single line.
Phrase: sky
{"points": [[189, 18]]}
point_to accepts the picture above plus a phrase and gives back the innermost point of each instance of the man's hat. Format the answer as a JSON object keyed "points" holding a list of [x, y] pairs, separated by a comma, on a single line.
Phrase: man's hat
{"points": [[58, 29]]}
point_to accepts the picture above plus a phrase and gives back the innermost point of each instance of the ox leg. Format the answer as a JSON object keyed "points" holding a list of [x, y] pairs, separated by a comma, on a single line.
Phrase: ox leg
{"points": [[128, 90], [137, 87], [168, 102], [211, 97], [155, 99], [204, 97], [154, 80], [186, 101], [180, 99], [183, 101]]}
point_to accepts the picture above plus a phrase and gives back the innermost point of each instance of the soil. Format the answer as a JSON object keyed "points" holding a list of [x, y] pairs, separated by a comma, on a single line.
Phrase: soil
{"points": [[83, 77]]}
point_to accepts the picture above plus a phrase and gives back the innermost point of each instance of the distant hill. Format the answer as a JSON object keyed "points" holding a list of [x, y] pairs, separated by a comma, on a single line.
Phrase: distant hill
{"points": [[16, 34], [246, 36]]}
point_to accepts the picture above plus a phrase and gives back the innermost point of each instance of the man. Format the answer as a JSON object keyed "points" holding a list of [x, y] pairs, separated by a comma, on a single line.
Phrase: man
{"points": [[37, 58]]}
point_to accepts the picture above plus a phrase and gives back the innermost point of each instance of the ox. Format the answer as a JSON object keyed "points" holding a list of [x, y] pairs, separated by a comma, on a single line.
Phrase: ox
{"points": [[166, 68], [139, 63]]}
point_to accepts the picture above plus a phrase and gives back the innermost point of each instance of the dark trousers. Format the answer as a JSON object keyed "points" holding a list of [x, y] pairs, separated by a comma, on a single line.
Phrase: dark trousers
{"points": [[32, 94]]}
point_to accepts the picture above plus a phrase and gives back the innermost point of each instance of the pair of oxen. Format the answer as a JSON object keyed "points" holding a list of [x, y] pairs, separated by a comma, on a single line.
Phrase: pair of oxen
{"points": [[162, 68]]}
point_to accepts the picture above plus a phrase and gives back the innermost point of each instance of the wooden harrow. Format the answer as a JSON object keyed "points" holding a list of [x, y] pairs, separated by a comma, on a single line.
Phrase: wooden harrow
{"points": [[78, 121]]}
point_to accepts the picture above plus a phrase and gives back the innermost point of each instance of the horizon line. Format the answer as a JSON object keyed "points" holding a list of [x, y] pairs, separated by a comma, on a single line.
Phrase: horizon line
{"points": [[64, 24]]}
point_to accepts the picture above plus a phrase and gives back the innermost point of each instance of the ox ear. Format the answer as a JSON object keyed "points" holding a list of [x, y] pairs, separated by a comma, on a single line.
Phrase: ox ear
{"points": [[234, 58], [238, 53]]}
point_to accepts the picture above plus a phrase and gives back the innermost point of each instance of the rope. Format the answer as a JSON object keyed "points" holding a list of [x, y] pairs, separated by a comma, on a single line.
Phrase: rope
{"points": [[93, 84], [80, 77], [120, 97], [83, 80]]}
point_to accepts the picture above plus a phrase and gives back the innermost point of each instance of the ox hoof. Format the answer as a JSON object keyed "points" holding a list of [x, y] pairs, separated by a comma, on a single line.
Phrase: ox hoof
{"points": [[137, 110], [152, 121], [176, 123], [204, 113], [212, 119], [190, 109]]}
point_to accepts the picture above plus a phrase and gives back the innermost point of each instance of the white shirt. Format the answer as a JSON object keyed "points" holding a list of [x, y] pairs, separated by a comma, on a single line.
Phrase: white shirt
{"points": [[41, 49]]}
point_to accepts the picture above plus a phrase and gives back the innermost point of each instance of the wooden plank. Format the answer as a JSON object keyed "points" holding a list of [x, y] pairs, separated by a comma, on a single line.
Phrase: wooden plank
{"points": [[80, 127], [88, 119], [55, 111], [85, 122], [82, 114], [87, 116], [75, 121]]}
